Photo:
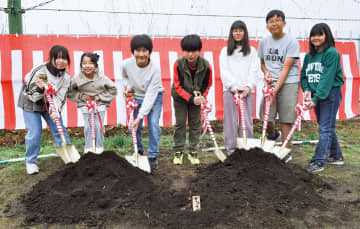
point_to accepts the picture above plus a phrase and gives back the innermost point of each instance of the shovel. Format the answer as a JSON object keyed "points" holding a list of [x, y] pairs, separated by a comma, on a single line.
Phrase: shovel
{"points": [[265, 144], [137, 160], [91, 105], [244, 142], [67, 152], [206, 110], [282, 152]]}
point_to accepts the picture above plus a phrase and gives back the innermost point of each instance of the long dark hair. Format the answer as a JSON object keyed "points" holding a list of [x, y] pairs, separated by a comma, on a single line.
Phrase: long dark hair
{"points": [[58, 51], [320, 29], [244, 42]]}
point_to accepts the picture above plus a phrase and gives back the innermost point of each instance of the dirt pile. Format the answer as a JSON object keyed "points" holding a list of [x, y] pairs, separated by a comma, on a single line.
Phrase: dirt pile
{"points": [[96, 189], [251, 189]]}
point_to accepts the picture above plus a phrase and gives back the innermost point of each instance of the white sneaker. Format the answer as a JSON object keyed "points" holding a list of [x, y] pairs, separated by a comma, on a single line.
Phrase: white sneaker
{"points": [[86, 150], [99, 150], [32, 168]]}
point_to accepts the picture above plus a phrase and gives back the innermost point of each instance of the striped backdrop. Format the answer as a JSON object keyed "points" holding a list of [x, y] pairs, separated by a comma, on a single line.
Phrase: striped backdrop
{"points": [[19, 54]]}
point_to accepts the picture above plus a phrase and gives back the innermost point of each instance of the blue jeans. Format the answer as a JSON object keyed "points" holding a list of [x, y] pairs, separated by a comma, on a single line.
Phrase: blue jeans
{"points": [[99, 136], [153, 125], [34, 130], [326, 111]]}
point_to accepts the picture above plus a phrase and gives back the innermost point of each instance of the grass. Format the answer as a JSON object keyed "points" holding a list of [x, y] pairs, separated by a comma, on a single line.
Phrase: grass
{"points": [[14, 181]]}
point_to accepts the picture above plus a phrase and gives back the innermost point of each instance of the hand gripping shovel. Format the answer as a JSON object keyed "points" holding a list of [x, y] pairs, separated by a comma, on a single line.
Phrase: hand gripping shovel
{"points": [[206, 109], [67, 152], [91, 106], [282, 151], [137, 160], [244, 142], [265, 144]]}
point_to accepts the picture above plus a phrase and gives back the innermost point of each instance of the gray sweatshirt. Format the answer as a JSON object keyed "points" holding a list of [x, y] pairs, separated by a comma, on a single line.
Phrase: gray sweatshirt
{"points": [[100, 86], [146, 83], [31, 98]]}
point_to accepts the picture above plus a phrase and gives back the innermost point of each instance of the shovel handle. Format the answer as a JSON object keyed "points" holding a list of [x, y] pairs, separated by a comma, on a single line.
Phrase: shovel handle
{"points": [[242, 118], [93, 129], [57, 120], [266, 116]]}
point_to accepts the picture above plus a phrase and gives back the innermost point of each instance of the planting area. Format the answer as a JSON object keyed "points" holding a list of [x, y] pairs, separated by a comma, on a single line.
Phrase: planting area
{"points": [[251, 189]]}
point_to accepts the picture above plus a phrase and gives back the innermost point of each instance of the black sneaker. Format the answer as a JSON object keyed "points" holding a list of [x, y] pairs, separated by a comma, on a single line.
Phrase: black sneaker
{"points": [[287, 158], [276, 136], [314, 166], [334, 161], [153, 163], [141, 152]]}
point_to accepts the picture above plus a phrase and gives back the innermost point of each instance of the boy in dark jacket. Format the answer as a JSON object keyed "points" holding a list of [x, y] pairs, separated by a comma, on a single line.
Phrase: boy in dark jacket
{"points": [[192, 80]]}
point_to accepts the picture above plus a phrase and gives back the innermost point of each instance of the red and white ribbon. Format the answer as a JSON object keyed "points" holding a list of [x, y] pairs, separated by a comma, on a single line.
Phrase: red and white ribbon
{"points": [[91, 105], [267, 92], [239, 100], [131, 105], [300, 109], [50, 90], [206, 109]]}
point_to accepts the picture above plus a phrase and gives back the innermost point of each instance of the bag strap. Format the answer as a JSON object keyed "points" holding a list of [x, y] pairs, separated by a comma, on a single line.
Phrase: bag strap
{"points": [[32, 76]]}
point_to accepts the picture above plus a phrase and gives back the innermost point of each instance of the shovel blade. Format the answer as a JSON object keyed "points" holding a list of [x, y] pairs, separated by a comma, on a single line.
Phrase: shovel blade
{"points": [[268, 146], [68, 153], [241, 144], [220, 155], [250, 143], [281, 152], [142, 162]]}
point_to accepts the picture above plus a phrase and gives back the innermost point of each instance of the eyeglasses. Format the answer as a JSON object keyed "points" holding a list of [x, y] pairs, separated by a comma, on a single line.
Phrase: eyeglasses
{"points": [[275, 21]]}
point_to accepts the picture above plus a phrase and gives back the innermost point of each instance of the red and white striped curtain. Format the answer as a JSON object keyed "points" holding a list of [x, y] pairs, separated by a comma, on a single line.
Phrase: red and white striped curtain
{"points": [[19, 54]]}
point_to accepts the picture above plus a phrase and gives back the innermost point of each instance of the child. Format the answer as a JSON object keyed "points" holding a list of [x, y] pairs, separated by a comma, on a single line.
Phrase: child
{"points": [[240, 68], [321, 79], [90, 84], [142, 79], [31, 100], [192, 73], [279, 54]]}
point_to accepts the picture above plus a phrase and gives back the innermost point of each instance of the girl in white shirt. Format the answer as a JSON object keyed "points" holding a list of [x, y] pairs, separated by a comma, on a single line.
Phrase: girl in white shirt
{"points": [[239, 67]]}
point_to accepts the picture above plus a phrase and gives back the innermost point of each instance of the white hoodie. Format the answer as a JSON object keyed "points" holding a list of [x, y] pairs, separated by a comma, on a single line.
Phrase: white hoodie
{"points": [[238, 71]]}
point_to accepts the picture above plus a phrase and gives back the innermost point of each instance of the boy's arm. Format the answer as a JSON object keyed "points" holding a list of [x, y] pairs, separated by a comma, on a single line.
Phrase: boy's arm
{"points": [[267, 75], [207, 82], [292, 53], [151, 93], [178, 87], [289, 61]]}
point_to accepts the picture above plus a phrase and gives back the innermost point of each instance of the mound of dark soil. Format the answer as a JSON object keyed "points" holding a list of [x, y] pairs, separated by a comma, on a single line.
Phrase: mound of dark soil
{"points": [[96, 189], [251, 189]]}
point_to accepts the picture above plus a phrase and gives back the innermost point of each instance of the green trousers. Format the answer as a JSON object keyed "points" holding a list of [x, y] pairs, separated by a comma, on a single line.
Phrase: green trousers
{"points": [[192, 113]]}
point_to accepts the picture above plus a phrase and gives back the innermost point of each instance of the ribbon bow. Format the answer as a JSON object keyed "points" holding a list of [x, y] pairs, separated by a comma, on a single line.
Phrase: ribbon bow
{"points": [[268, 91], [237, 98], [131, 105], [51, 89], [300, 109], [205, 109], [91, 106]]}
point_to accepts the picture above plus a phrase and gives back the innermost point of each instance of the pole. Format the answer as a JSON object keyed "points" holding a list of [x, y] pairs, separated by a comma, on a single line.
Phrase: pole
{"points": [[15, 16]]}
